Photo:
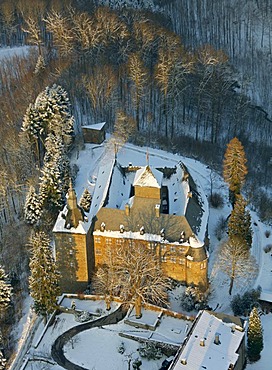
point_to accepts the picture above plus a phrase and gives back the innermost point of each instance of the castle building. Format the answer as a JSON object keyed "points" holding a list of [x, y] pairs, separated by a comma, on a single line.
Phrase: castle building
{"points": [[159, 207]]}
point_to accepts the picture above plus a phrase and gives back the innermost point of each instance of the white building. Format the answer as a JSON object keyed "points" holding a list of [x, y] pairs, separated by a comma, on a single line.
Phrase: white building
{"points": [[215, 342]]}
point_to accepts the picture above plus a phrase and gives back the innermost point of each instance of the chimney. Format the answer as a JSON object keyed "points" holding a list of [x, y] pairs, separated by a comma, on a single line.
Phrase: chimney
{"points": [[183, 361], [216, 339], [127, 209], [157, 210], [202, 342]]}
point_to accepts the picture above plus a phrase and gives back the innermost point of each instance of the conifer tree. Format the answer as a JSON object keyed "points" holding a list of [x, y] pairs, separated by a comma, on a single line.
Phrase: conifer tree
{"points": [[234, 167], [43, 282], [32, 208], [86, 200], [254, 336], [239, 225], [3, 361], [5, 290], [55, 174], [53, 106]]}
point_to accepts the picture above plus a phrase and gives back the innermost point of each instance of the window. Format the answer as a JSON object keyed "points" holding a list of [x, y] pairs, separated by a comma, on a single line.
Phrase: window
{"points": [[163, 259], [173, 259], [71, 252], [181, 261], [173, 249], [98, 252], [189, 264], [119, 241], [72, 264], [97, 239], [163, 247], [203, 265], [131, 243], [70, 239], [108, 241]]}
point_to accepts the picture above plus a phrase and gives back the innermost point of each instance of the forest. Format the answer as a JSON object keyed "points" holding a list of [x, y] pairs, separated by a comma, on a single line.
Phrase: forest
{"points": [[186, 76]]}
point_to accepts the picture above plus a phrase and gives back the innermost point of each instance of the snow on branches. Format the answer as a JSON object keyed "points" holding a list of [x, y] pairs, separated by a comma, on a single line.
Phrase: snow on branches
{"points": [[5, 290]]}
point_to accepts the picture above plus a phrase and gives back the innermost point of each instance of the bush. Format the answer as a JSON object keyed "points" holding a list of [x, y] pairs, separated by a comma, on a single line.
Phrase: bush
{"points": [[121, 348], [150, 351], [136, 364], [216, 200], [221, 228], [268, 248], [193, 299], [242, 305]]}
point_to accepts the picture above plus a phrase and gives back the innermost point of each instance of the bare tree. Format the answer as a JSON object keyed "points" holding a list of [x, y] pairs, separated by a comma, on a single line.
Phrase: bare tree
{"points": [[138, 75], [236, 262], [137, 274]]}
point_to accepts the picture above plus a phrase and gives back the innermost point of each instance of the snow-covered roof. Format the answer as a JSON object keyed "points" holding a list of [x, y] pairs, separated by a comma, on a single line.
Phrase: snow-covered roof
{"points": [[146, 176], [82, 228], [102, 186], [200, 351], [95, 126], [194, 242]]}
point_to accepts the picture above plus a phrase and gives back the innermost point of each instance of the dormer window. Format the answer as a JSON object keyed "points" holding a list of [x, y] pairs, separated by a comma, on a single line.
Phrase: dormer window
{"points": [[162, 233], [102, 226], [142, 230], [122, 229]]}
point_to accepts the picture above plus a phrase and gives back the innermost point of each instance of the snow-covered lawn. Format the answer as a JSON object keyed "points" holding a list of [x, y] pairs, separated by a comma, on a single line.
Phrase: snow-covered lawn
{"points": [[97, 348]]}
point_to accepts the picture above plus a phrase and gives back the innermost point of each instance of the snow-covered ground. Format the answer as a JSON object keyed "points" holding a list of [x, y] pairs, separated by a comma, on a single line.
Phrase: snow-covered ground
{"points": [[20, 51], [98, 347]]}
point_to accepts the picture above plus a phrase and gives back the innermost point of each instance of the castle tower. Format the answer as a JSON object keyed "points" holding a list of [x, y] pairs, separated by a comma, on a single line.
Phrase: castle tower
{"points": [[197, 264], [74, 214], [73, 247]]}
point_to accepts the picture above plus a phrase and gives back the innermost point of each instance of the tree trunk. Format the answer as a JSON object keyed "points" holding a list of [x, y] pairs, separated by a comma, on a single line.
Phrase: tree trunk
{"points": [[231, 285], [138, 307]]}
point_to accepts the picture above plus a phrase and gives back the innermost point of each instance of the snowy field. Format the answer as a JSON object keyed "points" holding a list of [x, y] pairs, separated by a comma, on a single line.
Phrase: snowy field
{"points": [[97, 348], [20, 51]]}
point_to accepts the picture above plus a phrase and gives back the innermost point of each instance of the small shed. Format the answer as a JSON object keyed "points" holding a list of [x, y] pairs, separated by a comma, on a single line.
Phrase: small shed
{"points": [[94, 134]]}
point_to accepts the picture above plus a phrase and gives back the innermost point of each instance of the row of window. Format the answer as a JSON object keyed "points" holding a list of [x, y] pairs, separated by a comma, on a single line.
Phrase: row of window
{"points": [[173, 248], [171, 259]]}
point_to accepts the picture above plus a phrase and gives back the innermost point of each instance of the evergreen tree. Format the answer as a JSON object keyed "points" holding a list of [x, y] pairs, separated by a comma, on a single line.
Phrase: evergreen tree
{"points": [[33, 127], [254, 336], [5, 290], [32, 208], [43, 282], [234, 167], [239, 225], [3, 361], [86, 200], [53, 106], [55, 174]]}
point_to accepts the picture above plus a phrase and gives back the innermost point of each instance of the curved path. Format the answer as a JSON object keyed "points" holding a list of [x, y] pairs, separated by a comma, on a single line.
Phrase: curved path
{"points": [[57, 347]]}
